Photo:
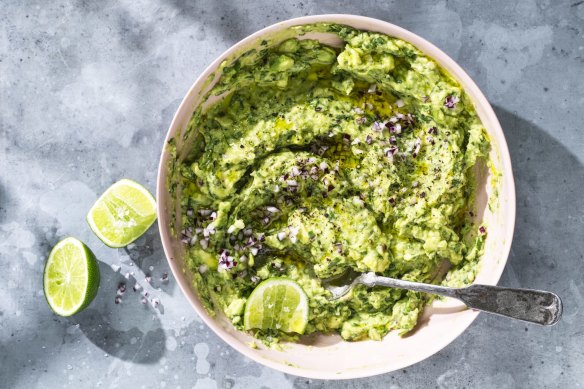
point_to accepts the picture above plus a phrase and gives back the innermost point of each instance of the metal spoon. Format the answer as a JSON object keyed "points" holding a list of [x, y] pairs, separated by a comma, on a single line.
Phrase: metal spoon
{"points": [[535, 306]]}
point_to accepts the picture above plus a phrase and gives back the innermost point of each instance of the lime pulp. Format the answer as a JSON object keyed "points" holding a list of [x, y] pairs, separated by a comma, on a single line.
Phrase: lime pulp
{"points": [[71, 277]]}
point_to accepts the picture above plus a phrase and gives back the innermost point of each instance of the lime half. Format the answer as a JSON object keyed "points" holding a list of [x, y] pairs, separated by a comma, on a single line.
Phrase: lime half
{"points": [[71, 277], [122, 214], [277, 304]]}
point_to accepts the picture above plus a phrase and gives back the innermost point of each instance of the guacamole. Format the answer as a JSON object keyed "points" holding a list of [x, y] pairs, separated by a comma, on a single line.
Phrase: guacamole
{"points": [[320, 159]]}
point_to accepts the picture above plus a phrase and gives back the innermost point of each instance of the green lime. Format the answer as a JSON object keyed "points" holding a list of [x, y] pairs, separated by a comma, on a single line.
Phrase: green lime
{"points": [[122, 214], [71, 277], [277, 304]]}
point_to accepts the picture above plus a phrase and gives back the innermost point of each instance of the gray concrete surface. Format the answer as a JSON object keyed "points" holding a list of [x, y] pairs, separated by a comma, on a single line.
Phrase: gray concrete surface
{"points": [[88, 89]]}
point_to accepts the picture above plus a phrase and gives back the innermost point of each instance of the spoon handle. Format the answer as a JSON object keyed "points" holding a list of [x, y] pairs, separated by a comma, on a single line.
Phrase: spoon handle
{"points": [[535, 306]]}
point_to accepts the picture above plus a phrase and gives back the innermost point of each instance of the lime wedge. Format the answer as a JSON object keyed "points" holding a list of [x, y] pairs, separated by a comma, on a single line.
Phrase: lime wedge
{"points": [[277, 304], [71, 277], [122, 214]]}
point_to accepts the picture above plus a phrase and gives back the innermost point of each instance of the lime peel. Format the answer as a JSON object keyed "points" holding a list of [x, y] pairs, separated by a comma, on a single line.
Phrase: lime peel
{"points": [[122, 214], [71, 277], [277, 304]]}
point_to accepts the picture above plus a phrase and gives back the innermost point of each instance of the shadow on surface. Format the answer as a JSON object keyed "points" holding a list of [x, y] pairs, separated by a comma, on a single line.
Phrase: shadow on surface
{"points": [[548, 248], [143, 343]]}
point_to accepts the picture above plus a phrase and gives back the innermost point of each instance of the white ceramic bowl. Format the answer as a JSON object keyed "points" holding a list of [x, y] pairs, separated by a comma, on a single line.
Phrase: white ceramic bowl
{"points": [[328, 357]]}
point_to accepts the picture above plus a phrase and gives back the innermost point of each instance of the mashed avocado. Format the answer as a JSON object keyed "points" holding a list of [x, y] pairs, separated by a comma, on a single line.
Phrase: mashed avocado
{"points": [[320, 159]]}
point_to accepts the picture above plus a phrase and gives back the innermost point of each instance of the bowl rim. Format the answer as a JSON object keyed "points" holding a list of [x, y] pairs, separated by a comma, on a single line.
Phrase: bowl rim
{"points": [[425, 46]]}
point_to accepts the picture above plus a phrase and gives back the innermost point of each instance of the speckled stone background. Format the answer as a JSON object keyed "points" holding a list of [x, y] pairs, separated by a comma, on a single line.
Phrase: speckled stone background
{"points": [[87, 91]]}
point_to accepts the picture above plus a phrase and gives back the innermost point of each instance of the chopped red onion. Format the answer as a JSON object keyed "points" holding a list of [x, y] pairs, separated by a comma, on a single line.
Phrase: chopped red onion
{"points": [[203, 269], [400, 103], [368, 139], [361, 120], [255, 279], [193, 240], [451, 101], [395, 128], [294, 172], [164, 277], [292, 183], [390, 151], [377, 126], [205, 212], [281, 235], [393, 119], [121, 288], [226, 261], [136, 287], [430, 140], [254, 251], [432, 131], [358, 111], [416, 148], [118, 300], [483, 230], [204, 243], [148, 278], [213, 216], [393, 140], [372, 88]]}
